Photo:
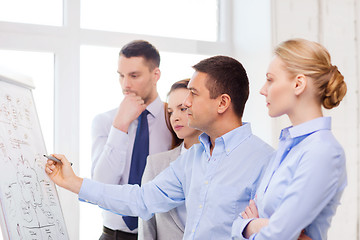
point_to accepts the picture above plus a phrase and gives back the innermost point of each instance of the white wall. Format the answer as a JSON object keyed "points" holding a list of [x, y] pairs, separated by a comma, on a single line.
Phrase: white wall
{"points": [[252, 47], [259, 26]]}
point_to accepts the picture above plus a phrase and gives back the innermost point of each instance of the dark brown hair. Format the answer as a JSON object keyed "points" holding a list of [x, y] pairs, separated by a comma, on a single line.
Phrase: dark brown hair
{"points": [[226, 76], [141, 48]]}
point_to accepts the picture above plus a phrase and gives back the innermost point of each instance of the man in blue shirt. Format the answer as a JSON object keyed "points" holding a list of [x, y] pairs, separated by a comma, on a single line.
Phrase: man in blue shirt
{"points": [[216, 178]]}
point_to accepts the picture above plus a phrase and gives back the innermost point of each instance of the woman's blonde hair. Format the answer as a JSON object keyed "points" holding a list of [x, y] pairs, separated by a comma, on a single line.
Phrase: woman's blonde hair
{"points": [[313, 60]]}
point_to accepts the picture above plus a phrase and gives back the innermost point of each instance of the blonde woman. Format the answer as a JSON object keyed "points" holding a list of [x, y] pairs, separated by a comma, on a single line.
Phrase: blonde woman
{"points": [[303, 184], [170, 225]]}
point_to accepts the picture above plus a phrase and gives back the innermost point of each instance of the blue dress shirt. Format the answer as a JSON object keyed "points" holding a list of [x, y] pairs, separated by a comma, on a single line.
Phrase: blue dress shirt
{"points": [[215, 187], [302, 187]]}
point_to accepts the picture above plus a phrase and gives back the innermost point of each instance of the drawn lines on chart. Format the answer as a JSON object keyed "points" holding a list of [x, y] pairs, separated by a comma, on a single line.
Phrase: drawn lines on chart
{"points": [[15, 112], [28, 197], [29, 201]]}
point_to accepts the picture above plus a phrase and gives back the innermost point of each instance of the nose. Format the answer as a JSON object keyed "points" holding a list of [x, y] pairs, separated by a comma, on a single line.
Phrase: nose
{"points": [[187, 101], [126, 84], [175, 116], [263, 90]]}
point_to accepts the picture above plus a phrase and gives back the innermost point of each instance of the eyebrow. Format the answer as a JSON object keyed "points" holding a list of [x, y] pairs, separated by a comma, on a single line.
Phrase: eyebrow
{"points": [[192, 89], [135, 72]]}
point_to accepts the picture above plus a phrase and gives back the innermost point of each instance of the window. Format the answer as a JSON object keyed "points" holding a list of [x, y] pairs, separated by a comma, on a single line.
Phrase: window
{"points": [[186, 19], [45, 12]]}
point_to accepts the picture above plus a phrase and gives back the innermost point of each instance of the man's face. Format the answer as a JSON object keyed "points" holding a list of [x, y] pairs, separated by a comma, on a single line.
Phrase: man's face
{"points": [[136, 77], [202, 110]]}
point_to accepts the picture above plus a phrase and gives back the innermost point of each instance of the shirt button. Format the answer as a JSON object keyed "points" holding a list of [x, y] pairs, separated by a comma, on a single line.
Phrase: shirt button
{"points": [[200, 206], [206, 182], [193, 230]]}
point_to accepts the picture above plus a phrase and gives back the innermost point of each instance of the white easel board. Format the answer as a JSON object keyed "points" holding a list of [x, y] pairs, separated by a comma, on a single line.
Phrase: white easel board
{"points": [[29, 204]]}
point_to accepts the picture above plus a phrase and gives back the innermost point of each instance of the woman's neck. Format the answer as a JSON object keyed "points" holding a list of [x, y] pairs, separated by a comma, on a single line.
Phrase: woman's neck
{"points": [[305, 113]]}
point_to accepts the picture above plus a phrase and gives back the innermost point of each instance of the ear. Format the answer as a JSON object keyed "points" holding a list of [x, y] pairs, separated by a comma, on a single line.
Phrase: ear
{"points": [[300, 84], [224, 103], [156, 75]]}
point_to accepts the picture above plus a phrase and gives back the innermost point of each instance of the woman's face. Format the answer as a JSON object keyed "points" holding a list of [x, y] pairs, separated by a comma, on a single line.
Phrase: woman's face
{"points": [[178, 113], [279, 89]]}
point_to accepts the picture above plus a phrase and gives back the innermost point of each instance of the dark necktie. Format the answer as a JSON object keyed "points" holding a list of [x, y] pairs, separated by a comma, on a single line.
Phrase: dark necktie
{"points": [[138, 160]]}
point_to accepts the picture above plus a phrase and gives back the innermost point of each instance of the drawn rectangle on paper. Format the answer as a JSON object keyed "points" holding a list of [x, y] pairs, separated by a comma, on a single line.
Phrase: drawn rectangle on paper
{"points": [[29, 204]]}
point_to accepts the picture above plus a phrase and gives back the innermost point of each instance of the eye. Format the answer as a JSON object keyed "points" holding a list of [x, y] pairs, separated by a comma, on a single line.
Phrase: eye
{"points": [[170, 113], [134, 75], [183, 109]]}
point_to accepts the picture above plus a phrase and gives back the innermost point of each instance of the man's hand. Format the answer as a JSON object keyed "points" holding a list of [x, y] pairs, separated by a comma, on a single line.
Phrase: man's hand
{"points": [[62, 174], [130, 109]]}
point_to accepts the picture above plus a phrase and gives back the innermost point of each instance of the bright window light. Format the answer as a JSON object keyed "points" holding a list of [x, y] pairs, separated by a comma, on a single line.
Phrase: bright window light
{"points": [[186, 19], [44, 12]]}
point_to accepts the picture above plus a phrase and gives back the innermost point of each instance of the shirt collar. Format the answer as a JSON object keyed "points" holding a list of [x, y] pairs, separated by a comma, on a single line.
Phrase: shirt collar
{"points": [[155, 107], [183, 149], [230, 139], [306, 128]]}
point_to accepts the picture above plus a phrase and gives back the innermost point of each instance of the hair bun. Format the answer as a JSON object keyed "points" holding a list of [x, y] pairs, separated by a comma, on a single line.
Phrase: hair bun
{"points": [[335, 89]]}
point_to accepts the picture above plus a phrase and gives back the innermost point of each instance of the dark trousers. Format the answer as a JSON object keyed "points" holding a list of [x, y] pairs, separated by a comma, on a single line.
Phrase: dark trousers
{"points": [[109, 234]]}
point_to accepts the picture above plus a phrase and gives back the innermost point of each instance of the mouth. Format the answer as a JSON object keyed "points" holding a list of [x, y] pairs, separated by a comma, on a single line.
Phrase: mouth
{"points": [[178, 128], [127, 91]]}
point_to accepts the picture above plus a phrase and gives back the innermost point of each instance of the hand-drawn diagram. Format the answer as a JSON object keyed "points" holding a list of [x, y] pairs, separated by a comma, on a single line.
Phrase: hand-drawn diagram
{"points": [[28, 198]]}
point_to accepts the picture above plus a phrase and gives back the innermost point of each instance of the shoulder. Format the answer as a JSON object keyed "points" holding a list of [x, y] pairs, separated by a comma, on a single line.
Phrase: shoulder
{"points": [[323, 146], [320, 154], [102, 123], [156, 163], [162, 156], [105, 116], [259, 146]]}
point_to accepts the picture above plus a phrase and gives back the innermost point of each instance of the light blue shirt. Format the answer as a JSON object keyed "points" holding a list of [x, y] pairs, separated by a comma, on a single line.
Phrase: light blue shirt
{"points": [[302, 187], [215, 187]]}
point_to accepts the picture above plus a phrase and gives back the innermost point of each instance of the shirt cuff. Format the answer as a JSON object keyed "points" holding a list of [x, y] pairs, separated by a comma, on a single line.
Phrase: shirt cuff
{"points": [[238, 228], [117, 138], [90, 191]]}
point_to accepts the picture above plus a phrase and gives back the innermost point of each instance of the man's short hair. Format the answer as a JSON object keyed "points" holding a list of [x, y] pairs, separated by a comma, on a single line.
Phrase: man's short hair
{"points": [[141, 48], [226, 76]]}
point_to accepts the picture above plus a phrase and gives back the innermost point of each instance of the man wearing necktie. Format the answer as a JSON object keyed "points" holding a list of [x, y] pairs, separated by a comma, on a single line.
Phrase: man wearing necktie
{"points": [[124, 137]]}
